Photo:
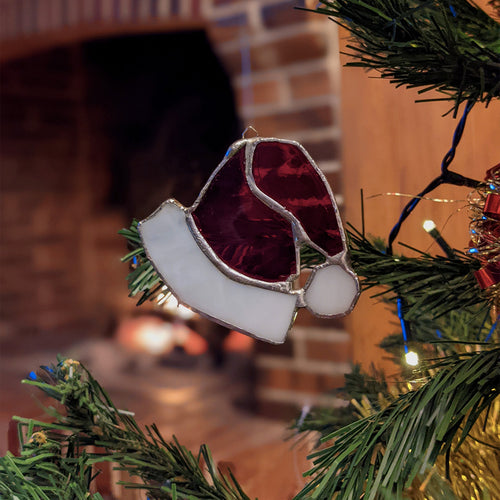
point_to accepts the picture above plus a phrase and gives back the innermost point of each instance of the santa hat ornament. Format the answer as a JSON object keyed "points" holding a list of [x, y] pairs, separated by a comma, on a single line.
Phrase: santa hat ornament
{"points": [[234, 255]]}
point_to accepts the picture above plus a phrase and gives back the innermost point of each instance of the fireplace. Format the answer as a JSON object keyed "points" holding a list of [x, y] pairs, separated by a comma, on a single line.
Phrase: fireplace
{"points": [[111, 107]]}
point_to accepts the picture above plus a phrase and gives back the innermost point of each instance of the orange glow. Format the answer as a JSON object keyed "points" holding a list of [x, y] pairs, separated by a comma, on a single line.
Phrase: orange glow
{"points": [[195, 344], [146, 334], [237, 342]]}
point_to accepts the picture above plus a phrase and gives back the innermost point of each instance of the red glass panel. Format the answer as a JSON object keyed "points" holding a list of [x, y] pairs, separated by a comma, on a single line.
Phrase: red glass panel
{"points": [[243, 232], [283, 172]]}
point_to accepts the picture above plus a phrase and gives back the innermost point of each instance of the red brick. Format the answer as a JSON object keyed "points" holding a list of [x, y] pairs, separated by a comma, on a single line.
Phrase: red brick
{"points": [[261, 93], [291, 121], [337, 352], [296, 49], [305, 318], [329, 383], [11, 255], [277, 410], [46, 248], [298, 381], [221, 34], [317, 383], [231, 61], [276, 378], [299, 48], [306, 382], [285, 14], [228, 28], [312, 84]]}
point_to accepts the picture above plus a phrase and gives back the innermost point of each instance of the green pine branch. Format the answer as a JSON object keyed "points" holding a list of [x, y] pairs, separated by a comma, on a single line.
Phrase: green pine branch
{"points": [[44, 472], [358, 385], [431, 285], [378, 455], [381, 455], [431, 337], [452, 47], [166, 469], [372, 389], [143, 279]]}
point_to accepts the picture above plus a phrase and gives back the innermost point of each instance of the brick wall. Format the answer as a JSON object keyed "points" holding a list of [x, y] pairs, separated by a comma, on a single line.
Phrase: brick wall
{"points": [[58, 244], [285, 69]]}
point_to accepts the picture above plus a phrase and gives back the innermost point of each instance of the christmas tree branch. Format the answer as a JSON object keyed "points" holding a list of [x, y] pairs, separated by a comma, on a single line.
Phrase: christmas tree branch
{"points": [[373, 453], [144, 280], [45, 472], [431, 285], [450, 47], [91, 420], [370, 390], [359, 386], [382, 454]]}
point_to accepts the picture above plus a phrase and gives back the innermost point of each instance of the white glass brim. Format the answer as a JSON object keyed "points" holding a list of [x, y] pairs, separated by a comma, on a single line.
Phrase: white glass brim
{"points": [[199, 284]]}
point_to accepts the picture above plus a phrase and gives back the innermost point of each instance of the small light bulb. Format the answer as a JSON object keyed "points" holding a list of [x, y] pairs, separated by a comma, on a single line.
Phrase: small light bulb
{"points": [[411, 358], [429, 225]]}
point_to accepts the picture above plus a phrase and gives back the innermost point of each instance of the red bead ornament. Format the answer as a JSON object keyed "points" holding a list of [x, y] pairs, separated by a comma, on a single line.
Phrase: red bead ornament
{"points": [[492, 206], [488, 275], [485, 229]]}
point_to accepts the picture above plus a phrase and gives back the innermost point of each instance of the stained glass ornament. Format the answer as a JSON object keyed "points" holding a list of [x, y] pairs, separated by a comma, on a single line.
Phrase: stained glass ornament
{"points": [[234, 255]]}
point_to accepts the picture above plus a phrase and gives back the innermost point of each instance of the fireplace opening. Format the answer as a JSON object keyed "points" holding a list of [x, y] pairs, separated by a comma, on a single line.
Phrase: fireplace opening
{"points": [[93, 135], [170, 115]]}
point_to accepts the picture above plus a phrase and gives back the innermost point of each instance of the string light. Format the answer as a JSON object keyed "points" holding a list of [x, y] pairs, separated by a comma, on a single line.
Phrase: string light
{"points": [[411, 358], [446, 177], [430, 227], [402, 320], [405, 195]]}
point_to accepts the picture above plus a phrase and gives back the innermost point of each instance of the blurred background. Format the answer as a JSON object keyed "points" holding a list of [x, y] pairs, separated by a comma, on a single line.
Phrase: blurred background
{"points": [[109, 107]]}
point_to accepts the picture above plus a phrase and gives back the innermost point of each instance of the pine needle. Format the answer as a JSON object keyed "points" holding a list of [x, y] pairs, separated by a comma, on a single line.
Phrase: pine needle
{"points": [[375, 456], [449, 47]]}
